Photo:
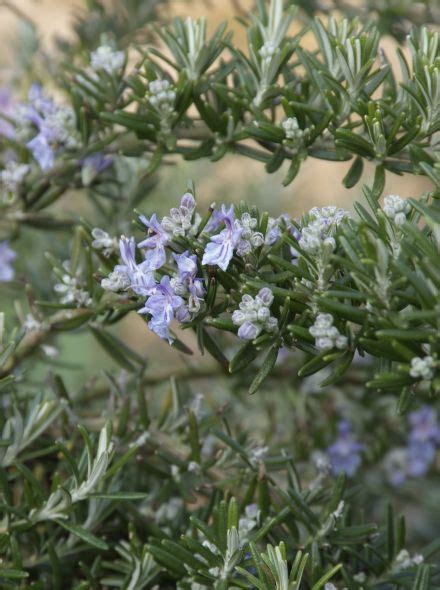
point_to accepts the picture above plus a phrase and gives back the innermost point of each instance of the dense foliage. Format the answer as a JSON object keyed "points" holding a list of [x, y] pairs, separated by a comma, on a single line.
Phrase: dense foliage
{"points": [[125, 478]]}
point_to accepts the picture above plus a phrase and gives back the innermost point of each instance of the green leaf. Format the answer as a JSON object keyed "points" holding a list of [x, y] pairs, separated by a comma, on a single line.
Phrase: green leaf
{"points": [[355, 172], [243, 357], [119, 351], [83, 534], [292, 172], [326, 577], [13, 574], [120, 496], [214, 349], [266, 368], [379, 181], [404, 401], [388, 380]]}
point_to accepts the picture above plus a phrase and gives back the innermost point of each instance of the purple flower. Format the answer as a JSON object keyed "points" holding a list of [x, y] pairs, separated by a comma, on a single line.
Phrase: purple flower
{"points": [[220, 249], [249, 331], [161, 306], [7, 255], [196, 293], [93, 165], [42, 151], [40, 101], [344, 454], [55, 125], [139, 276], [396, 466], [424, 426], [186, 266], [420, 455], [155, 243], [214, 221], [422, 440]]}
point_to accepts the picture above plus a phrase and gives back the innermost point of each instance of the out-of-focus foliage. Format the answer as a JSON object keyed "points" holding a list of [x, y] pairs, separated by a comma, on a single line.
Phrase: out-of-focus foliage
{"points": [[183, 494]]}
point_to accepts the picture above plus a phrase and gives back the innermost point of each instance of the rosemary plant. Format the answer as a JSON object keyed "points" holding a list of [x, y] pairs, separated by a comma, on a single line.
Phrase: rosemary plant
{"points": [[129, 479]]}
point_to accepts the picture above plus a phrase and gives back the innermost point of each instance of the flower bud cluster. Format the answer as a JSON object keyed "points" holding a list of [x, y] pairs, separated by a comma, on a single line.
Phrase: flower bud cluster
{"points": [[396, 209], [162, 95], [250, 239], [182, 220], [318, 233], [421, 368], [253, 315], [326, 335], [13, 175], [70, 289], [292, 129], [103, 241], [405, 561], [106, 59], [267, 51]]}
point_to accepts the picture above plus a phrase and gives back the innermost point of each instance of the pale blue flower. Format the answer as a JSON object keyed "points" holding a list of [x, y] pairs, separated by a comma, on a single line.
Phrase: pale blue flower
{"points": [[42, 151], [220, 249], [7, 255], [186, 266], [55, 125], [161, 306], [139, 276], [344, 453], [420, 455], [93, 165], [424, 425], [422, 440], [155, 257]]}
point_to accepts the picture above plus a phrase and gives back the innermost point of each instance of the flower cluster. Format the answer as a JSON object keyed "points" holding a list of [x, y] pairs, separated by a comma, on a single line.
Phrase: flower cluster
{"points": [[326, 335], [319, 232], [106, 59], [55, 126], [345, 453], [253, 315], [178, 295], [396, 209]]}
